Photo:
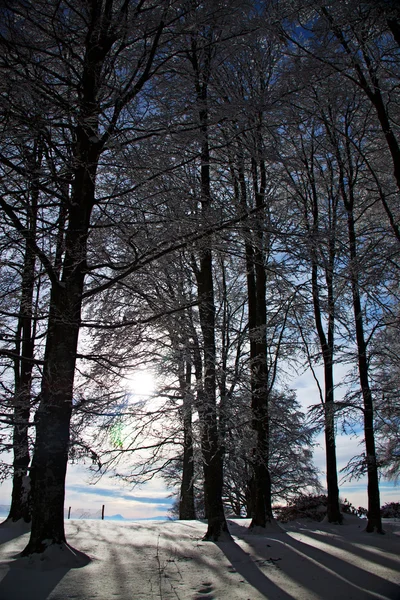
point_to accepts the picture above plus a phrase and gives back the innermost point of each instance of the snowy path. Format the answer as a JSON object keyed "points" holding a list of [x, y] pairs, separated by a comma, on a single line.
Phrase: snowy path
{"points": [[168, 560]]}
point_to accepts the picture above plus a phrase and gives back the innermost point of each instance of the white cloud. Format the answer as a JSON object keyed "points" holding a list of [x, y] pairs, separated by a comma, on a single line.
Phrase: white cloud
{"points": [[148, 500]]}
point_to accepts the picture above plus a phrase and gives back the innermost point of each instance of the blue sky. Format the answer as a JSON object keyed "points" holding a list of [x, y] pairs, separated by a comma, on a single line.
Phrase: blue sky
{"points": [[347, 446]]}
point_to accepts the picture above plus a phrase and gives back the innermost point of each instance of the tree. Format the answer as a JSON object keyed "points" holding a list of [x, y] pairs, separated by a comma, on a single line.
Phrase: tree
{"points": [[349, 167], [385, 377], [350, 43], [24, 362], [290, 457], [358, 41], [87, 62], [21, 310], [248, 156], [311, 175], [200, 56]]}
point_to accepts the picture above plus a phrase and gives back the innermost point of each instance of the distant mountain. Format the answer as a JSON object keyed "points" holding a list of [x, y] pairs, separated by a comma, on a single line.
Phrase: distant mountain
{"points": [[154, 519], [115, 518]]}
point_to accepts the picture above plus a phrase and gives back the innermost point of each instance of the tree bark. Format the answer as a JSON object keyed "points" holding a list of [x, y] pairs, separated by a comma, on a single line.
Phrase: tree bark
{"points": [[96, 89], [49, 464], [333, 507], [211, 443], [258, 492], [262, 505], [260, 385], [198, 371], [326, 342], [20, 504], [211, 447], [374, 506], [186, 505]]}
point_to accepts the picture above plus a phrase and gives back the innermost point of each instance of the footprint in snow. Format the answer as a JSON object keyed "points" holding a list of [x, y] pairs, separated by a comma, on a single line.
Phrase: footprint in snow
{"points": [[205, 592]]}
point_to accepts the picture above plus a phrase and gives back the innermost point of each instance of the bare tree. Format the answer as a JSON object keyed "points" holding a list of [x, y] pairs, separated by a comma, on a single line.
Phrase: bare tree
{"points": [[360, 43], [87, 95], [349, 168], [311, 176]]}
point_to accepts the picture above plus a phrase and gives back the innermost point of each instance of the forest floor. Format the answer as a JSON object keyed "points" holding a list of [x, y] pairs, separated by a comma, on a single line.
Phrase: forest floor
{"points": [[149, 560]]}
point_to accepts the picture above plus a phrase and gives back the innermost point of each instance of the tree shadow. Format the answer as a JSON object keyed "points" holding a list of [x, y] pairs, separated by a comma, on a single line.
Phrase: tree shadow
{"points": [[315, 569], [20, 584], [248, 569], [165, 565], [10, 531], [36, 577], [386, 559]]}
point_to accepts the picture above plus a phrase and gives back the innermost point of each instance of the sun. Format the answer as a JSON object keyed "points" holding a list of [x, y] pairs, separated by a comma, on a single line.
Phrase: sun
{"points": [[141, 383]]}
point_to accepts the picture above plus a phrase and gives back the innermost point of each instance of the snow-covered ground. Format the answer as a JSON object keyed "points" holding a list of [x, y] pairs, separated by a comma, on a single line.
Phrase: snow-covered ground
{"points": [[168, 560]]}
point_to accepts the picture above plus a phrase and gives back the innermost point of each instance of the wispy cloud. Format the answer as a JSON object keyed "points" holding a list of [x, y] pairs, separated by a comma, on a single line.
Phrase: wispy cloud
{"points": [[115, 493]]}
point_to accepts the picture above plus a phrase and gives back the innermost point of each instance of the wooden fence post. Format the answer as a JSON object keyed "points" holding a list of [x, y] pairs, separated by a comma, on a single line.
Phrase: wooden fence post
{"points": [[102, 513]]}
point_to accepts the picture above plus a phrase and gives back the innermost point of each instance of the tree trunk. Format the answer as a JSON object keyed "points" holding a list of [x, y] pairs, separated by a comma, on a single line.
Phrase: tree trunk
{"points": [[49, 464], [327, 345], [326, 341], [374, 513], [250, 496], [21, 495], [53, 416], [186, 504], [198, 371], [334, 514], [211, 443], [261, 503], [211, 447], [101, 32], [374, 507], [20, 505]]}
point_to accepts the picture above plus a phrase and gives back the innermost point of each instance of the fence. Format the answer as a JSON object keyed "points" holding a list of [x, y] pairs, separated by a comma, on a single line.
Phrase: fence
{"points": [[83, 513], [69, 512]]}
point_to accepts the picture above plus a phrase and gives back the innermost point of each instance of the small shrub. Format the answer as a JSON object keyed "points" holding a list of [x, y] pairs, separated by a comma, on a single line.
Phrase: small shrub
{"points": [[391, 510], [347, 508], [313, 508], [303, 507]]}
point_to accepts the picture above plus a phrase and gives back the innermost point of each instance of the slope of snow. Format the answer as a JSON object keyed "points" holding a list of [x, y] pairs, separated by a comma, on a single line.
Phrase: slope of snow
{"points": [[168, 560]]}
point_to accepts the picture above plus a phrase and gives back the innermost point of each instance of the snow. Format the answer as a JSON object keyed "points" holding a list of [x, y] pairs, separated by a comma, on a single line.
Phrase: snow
{"points": [[168, 560]]}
